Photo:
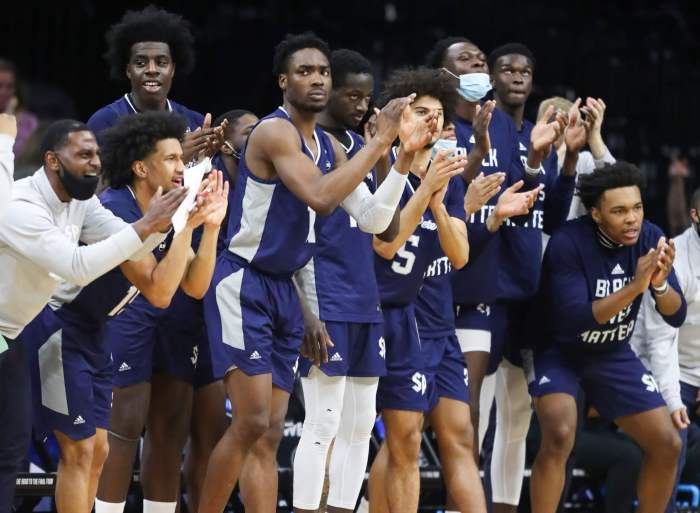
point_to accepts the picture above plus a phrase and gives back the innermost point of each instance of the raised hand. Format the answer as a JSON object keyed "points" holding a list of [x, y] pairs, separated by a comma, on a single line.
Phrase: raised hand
{"points": [[204, 141], [512, 203], [162, 207], [679, 168], [647, 265], [598, 107], [544, 134], [481, 189], [415, 133], [441, 169], [8, 125], [664, 264], [389, 118], [480, 127], [212, 201], [579, 128]]}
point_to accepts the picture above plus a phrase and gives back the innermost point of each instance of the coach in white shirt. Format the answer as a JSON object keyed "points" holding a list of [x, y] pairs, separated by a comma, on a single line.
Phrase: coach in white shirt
{"points": [[50, 213], [673, 354]]}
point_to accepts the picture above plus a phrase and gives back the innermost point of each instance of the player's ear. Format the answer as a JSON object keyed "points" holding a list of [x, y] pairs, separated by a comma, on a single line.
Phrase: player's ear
{"points": [[694, 216], [282, 81], [595, 214], [50, 160], [139, 169]]}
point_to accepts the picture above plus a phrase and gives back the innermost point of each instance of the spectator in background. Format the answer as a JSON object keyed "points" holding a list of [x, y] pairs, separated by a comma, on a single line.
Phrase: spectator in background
{"points": [[676, 202], [10, 104], [597, 157]]}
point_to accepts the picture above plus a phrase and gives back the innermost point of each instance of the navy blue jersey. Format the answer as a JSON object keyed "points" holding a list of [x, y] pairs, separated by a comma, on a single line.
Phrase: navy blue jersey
{"points": [[477, 281], [434, 304], [111, 292], [108, 115], [269, 227], [521, 250], [400, 279], [343, 264], [582, 265]]}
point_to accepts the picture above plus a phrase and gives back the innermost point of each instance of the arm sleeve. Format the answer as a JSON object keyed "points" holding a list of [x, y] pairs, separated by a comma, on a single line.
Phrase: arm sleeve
{"points": [[7, 170], [374, 212], [30, 230], [567, 288], [659, 346]]}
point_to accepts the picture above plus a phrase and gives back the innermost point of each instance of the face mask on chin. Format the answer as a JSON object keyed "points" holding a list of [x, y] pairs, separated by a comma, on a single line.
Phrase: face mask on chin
{"points": [[79, 188]]}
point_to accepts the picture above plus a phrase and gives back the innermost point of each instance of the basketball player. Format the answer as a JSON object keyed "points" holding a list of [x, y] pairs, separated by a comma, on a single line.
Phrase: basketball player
{"points": [[253, 313], [596, 269]]}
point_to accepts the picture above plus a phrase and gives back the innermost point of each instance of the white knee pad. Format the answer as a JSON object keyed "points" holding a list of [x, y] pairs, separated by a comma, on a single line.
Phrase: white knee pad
{"points": [[488, 389], [350, 452], [323, 397], [474, 340], [513, 414]]}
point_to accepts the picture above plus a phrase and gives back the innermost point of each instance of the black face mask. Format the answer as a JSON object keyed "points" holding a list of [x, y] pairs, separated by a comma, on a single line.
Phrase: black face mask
{"points": [[79, 188]]}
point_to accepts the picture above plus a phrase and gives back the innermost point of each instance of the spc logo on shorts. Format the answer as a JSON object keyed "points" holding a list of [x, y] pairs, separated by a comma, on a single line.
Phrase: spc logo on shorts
{"points": [[382, 348], [420, 384]]}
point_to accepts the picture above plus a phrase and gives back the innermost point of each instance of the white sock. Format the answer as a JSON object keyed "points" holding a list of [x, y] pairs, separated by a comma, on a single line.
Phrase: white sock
{"points": [[364, 506], [450, 511], [158, 507], [109, 507]]}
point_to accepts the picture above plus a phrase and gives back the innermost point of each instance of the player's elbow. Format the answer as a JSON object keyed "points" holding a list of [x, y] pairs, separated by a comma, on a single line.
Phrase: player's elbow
{"points": [[158, 299], [322, 207]]}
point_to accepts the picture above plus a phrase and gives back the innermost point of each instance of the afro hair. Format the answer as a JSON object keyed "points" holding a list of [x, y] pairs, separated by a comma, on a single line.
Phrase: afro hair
{"points": [[293, 43], [422, 81], [150, 24], [134, 138]]}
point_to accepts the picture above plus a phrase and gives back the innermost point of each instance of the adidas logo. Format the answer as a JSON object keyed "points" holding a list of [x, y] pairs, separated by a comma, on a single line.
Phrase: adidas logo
{"points": [[544, 380], [78, 420], [124, 367], [254, 356], [618, 269], [523, 147], [336, 358]]}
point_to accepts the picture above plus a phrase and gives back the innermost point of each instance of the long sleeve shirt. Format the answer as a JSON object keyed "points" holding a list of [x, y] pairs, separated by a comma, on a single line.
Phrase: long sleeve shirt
{"points": [[7, 168], [583, 265], [39, 248], [673, 354]]}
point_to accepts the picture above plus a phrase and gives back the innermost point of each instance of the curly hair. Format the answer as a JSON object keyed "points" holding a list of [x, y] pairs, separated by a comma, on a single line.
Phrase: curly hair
{"points": [[422, 81], [436, 56], [293, 43], [344, 62], [134, 138], [509, 49], [591, 187], [150, 24]]}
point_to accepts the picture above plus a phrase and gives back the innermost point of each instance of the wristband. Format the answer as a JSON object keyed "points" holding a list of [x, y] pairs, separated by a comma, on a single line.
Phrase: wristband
{"points": [[660, 291], [531, 172]]}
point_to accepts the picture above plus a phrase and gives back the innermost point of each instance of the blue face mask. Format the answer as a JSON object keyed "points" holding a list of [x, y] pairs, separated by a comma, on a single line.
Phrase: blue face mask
{"points": [[473, 86], [444, 144]]}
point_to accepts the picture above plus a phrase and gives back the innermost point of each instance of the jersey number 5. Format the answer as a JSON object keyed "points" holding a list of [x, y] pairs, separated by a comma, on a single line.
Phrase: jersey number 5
{"points": [[410, 258]]}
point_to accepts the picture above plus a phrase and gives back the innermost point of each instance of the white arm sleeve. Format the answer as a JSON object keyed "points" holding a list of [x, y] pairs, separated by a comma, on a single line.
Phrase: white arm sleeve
{"points": [[7, 170], [100, 223], [31, 231], [374, 212]]}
